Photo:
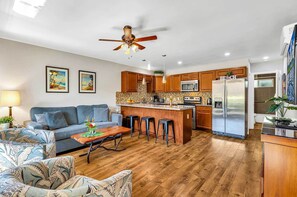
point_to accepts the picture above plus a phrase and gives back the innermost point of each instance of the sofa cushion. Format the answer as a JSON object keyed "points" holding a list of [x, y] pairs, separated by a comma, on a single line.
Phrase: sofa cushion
{"points": [[40, 118], [55, 120], [101, 114], [105, 124], [67, 132], [87, 111], [70, 113]]}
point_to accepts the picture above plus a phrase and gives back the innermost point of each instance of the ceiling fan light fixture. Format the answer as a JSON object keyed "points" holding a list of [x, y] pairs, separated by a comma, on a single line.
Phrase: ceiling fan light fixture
{"points": [[134, 48]]}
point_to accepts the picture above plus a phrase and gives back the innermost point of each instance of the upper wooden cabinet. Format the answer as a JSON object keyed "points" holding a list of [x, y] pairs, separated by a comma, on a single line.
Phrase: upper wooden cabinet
{"points": [[189, 76], [159, 86], [205, 80], [175, 83], [168, 84], [239, 72], [148, 78], [129, 81]]}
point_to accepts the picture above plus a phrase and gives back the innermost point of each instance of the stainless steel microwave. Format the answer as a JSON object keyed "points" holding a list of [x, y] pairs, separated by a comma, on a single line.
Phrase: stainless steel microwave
{"points": [[189, 86]]}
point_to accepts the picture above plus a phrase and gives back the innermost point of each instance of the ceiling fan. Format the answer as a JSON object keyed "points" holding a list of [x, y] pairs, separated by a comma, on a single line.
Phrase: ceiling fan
{"points": [[130, 41]]}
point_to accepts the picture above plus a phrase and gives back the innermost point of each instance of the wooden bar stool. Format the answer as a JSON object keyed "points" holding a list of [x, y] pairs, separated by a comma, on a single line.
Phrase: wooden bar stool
{"points": [[165, 123], [132, 119], [147, 120]]}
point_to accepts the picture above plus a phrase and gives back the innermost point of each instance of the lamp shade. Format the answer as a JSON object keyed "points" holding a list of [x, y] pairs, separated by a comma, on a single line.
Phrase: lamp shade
{"points": [[9, 98]]}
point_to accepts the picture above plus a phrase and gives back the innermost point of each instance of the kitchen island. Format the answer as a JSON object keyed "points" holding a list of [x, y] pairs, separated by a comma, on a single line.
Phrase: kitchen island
{"points": [[181, 116]]}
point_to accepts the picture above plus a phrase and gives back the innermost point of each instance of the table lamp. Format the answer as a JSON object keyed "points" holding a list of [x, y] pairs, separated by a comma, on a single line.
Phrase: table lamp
{"points": [[10, 98]]}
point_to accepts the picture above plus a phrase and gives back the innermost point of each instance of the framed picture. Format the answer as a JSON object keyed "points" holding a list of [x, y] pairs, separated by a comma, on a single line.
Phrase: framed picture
{"points": [[57, 79], [86, 82]]}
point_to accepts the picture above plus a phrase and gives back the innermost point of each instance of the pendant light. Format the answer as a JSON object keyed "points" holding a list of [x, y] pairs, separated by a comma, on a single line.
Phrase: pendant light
{"points": [[143, 80], [164, 75]]}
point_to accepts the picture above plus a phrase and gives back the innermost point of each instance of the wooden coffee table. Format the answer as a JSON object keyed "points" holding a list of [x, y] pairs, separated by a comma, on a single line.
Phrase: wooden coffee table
{"points": [[109, 133]]}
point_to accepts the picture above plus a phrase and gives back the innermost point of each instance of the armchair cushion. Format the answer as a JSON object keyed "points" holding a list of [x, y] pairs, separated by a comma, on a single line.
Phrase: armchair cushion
{"points": [[18, 146], [56, 177]]}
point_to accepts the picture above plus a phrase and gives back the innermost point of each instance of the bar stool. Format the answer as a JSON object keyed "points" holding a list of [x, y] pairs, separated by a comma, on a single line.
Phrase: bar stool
{"points": [[147, 120], [132, 119], [165, 123]]}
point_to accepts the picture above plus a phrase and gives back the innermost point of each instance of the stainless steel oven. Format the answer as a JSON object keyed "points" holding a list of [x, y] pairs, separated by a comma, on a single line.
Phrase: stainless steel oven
{"points": [[192, 101], [189, 86]]}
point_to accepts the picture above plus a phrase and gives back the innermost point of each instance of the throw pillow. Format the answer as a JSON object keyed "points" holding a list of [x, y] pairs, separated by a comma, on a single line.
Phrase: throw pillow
{"points": [[101, 114], [55, 120], [40, 118]]}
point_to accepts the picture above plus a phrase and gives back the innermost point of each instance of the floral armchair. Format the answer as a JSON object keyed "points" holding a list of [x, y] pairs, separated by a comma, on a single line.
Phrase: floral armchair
{"points": [[20, 146], [56, 177]]}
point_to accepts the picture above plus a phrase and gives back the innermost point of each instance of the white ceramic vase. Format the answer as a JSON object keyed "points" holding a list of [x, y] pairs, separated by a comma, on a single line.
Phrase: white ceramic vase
{"points": [[4, 126]]}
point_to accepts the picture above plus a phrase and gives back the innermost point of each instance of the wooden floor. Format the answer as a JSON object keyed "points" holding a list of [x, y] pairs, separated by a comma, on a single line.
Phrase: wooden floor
{"points": [[208, 165]]}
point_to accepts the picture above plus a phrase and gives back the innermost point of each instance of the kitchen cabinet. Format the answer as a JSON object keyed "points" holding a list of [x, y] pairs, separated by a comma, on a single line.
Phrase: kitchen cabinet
{"points": [[189, 76], [205, 80], [240, 72], [175, 83], [168, 84], [148, 78], [150, 84], [159, 86], [204, 117], [129, 81]]}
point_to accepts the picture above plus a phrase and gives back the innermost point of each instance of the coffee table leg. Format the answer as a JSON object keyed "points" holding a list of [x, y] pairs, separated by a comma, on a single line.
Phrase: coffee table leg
{"points": [[89, 152]]}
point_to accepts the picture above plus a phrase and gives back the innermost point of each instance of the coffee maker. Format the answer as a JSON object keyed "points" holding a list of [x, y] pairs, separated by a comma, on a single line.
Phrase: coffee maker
{"points": [[209, 101]]}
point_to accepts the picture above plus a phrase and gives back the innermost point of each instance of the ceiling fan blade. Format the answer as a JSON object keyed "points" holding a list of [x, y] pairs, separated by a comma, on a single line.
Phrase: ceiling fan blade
{"points": [[115, 49], [151, 31], [143, 39], [140, 47], [109, 40]]}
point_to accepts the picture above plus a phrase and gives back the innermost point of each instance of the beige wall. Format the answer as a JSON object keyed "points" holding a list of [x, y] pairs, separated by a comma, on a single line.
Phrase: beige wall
{"points": [[22, 67]]}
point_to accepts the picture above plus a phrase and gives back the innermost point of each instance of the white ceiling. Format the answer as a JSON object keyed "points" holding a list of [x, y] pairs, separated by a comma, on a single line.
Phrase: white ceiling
{"points": [[199, 32]]}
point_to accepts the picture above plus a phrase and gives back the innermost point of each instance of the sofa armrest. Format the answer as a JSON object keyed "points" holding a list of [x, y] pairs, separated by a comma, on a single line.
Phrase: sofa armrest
{"points": [[118, 118]]}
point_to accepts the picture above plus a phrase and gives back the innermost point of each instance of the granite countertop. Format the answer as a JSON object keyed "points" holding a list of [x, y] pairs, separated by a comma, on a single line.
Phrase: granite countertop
{"points": [[204, 105], [163, 107], [269, 129]]}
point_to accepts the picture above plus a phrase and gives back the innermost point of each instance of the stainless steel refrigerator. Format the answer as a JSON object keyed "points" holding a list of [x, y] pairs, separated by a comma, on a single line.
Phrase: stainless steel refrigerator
{"points": [[229, 107]]}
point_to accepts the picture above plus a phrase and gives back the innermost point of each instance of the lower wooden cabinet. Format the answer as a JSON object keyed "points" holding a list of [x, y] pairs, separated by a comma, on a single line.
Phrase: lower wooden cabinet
{"points": [[204, 117]]}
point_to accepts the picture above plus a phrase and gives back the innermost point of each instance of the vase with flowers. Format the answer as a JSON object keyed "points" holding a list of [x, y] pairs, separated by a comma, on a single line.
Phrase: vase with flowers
{"points": [[91, 126]]}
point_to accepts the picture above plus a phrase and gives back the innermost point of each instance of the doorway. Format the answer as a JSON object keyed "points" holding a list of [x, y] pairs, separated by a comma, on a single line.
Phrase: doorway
{"points": [[264, 88]]}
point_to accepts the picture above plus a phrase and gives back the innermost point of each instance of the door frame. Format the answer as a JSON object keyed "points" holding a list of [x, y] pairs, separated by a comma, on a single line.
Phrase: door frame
{"points": [[277, 89]]}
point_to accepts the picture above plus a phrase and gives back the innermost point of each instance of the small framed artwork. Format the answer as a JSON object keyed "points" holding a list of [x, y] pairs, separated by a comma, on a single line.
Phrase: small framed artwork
{"points": [[86, 82], [57, 79]]}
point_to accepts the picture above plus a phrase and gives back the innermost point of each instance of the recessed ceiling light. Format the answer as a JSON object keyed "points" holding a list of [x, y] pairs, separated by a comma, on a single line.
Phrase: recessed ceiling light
{"points": [[179, 62], [265, 58], [28, 8], [227, 54]]}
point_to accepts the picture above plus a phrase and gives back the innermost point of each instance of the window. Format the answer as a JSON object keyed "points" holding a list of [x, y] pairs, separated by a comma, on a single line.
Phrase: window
{"points": [[263, 83]]}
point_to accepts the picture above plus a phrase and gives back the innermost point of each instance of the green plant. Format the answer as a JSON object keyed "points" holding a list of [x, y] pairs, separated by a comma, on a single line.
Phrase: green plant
{"points": [[229, 73], [159, 72], [280, 105], [6, 119]]}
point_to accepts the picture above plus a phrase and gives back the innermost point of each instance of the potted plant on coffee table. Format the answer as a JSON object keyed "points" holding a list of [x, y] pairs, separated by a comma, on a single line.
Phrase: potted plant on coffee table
{"points": [[5, 122], [280, 105]]}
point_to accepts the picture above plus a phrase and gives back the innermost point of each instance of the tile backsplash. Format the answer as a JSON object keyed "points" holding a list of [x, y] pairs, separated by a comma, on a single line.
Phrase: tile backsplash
{"points": [[142, 95]]}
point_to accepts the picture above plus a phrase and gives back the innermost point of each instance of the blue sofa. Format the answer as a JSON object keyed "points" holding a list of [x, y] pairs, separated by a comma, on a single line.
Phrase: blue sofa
{"points": [[75, 117]]}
